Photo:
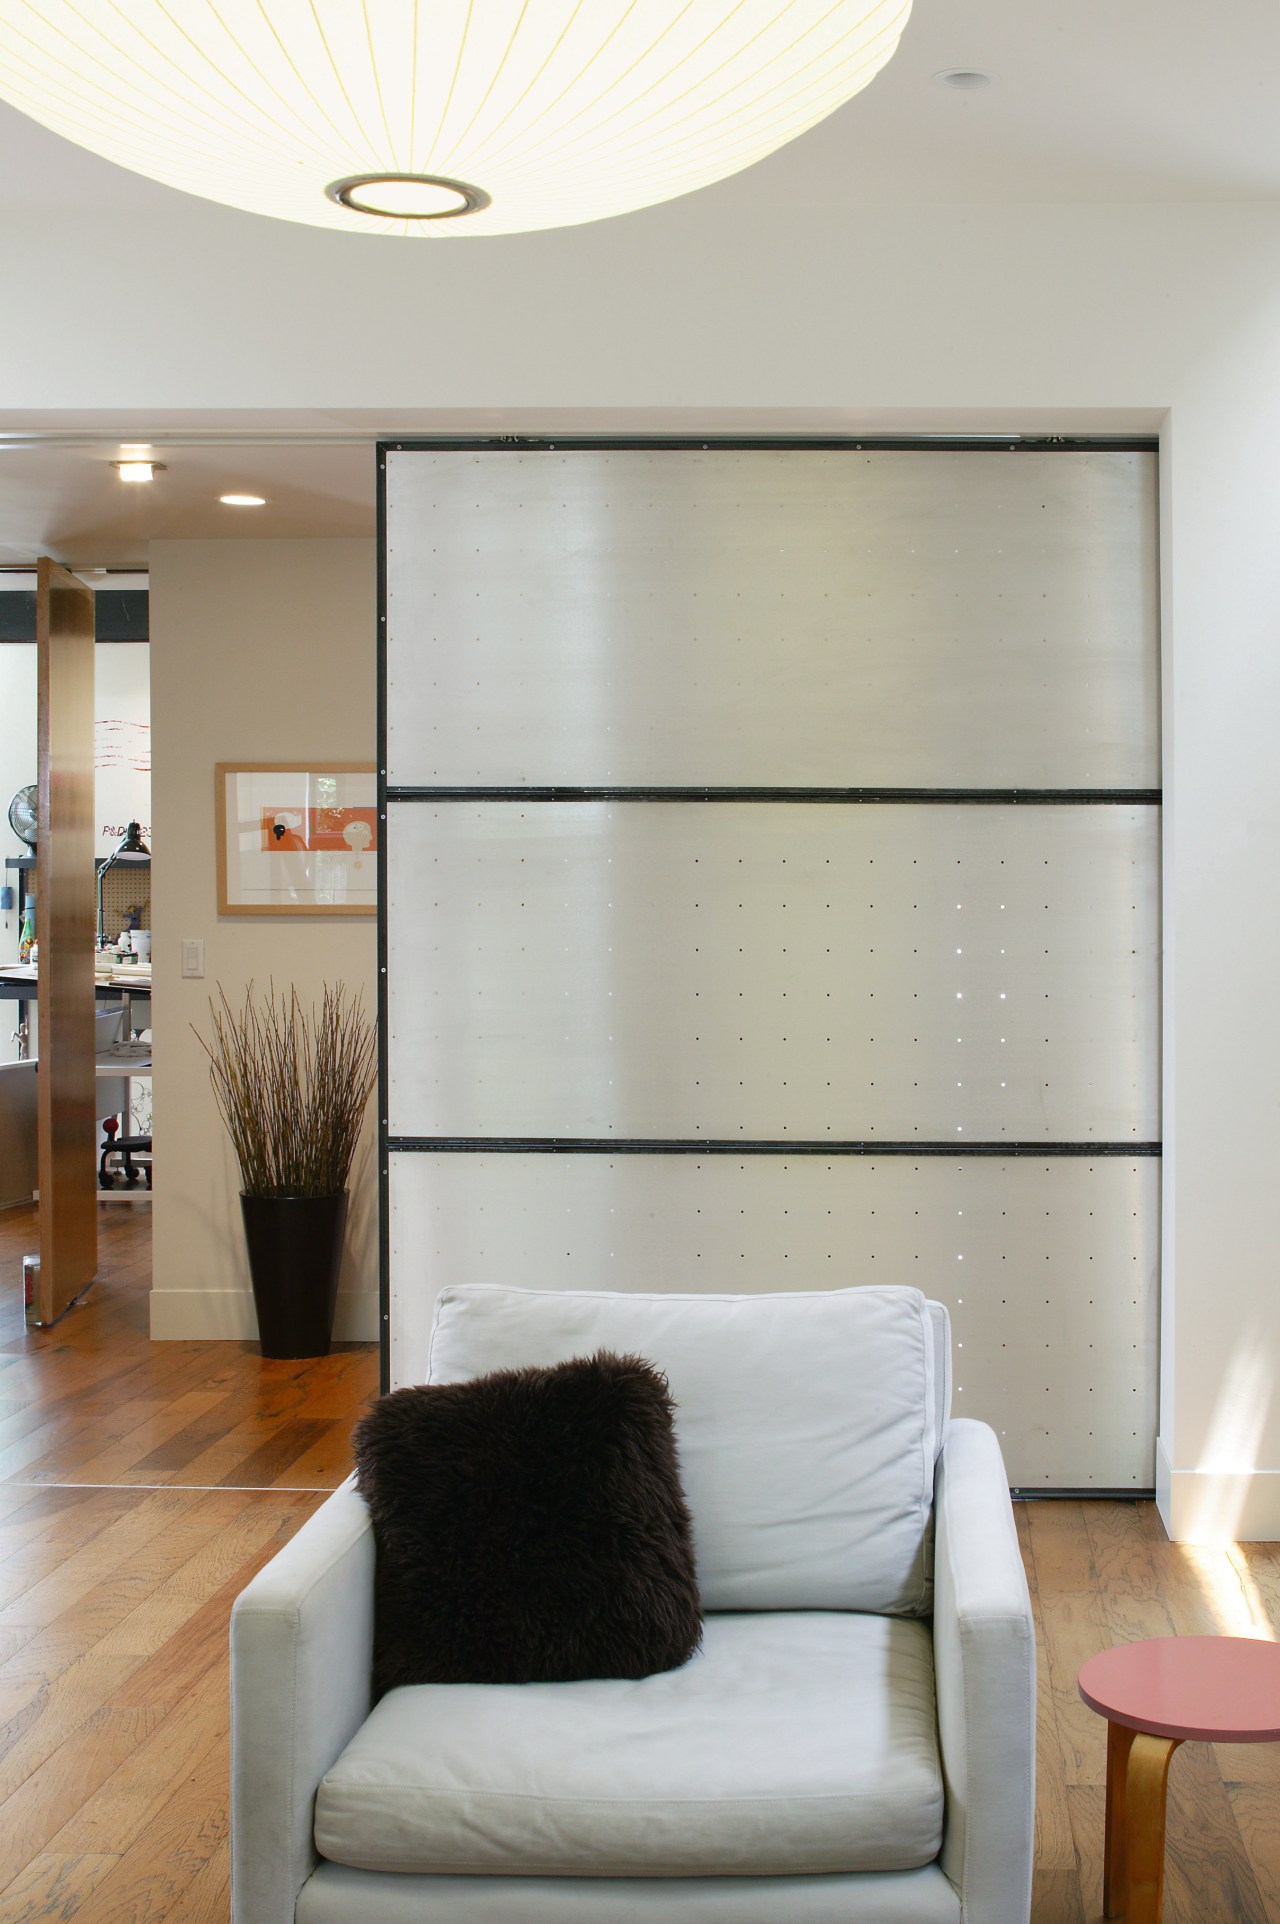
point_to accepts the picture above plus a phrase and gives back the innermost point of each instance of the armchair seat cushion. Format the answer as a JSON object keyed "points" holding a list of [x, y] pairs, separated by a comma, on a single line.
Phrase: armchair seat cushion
{"points": [[792, 1742]]}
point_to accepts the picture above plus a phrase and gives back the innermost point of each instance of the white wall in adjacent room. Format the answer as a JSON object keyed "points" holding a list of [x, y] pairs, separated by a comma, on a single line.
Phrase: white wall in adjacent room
{"points": [[263, 651], [122, 757], [17, 768], [122, 741]]}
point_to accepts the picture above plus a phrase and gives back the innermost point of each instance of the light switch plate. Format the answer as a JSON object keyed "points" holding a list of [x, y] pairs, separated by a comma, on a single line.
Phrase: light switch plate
{"points": [[192, 956]]}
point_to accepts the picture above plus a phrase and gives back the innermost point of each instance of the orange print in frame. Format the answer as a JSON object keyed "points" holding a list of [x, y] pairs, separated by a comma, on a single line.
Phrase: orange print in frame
{"points": [[346, 831]]}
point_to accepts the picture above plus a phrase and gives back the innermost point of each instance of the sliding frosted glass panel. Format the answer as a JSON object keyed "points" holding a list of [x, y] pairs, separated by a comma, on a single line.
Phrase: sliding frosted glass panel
{"points": [[1049, 1268], [772, 617], [761, 970]]}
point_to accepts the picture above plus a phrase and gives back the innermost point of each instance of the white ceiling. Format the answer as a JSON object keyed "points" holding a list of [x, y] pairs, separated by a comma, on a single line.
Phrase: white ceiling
{"points": [[66, 500], [1093, 101]]}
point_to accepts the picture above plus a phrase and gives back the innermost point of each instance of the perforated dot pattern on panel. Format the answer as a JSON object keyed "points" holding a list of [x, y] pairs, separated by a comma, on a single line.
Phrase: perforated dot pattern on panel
{"points": [[760, 970], [772, 616], [1048, 1268], [690, 971]]}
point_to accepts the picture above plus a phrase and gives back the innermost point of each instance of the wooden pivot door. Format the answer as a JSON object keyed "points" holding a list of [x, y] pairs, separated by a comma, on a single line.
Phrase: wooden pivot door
{"points": [[66, 926]]}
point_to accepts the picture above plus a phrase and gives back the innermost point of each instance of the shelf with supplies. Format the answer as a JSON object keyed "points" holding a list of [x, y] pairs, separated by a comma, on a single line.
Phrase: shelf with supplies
{"points": [[18, 983], [125, 887]]}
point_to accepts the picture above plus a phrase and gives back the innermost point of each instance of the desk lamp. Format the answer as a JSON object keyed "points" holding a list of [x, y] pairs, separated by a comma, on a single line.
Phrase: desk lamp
{"points": [[132, 844]]}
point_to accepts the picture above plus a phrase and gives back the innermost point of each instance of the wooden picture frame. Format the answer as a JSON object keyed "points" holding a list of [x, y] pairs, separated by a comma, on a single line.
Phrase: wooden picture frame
{"points": [[296, 838]]}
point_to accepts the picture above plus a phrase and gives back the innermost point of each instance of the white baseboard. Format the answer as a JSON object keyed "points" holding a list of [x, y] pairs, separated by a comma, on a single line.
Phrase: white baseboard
{"points": [[1164, 1483], [1217, 1506], [227, 1315]]}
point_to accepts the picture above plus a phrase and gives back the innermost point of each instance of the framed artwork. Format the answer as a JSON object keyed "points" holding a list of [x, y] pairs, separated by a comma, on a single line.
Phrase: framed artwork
{"points": [[297, 839]]}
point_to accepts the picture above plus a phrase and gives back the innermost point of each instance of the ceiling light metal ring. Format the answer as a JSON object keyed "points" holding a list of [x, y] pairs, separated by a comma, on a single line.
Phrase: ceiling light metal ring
{"points": [[474, 199]]}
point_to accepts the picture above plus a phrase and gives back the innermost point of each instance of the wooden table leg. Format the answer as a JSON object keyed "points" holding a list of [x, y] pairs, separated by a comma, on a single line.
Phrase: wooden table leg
{"points": [[1119, 1743], [1146, 1780]]}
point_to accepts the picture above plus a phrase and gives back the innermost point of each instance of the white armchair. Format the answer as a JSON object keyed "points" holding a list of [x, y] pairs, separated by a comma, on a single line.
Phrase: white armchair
{"points": [[854, 1744]]}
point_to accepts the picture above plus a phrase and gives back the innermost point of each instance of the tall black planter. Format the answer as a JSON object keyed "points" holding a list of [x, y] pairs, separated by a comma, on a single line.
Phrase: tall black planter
{"points": [[295, 1247]]}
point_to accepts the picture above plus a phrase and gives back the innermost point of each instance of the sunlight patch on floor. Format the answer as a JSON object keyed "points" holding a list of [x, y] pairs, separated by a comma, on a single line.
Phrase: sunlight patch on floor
{"points": [[1229, 1590]]}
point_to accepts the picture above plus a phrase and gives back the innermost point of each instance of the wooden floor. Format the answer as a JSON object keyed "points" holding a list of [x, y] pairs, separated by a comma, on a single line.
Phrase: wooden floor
{"points": [[142, 1484], [1104, 1573]]}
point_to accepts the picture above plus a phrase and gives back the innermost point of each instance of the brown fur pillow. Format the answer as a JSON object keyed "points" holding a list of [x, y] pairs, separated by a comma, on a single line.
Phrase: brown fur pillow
{"points": [[530, 1527]]}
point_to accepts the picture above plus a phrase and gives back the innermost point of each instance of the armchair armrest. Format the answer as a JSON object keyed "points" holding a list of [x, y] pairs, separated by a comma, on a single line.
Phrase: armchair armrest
{"points": [[984, 1657], [301, 1665]]}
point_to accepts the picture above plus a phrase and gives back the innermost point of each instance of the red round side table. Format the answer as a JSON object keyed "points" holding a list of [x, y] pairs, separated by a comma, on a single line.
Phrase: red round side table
{"points": [[1156, 1695]]}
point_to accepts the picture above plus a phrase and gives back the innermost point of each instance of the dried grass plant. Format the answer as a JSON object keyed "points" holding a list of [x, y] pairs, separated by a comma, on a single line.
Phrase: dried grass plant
{"points": [[291, 1084]]}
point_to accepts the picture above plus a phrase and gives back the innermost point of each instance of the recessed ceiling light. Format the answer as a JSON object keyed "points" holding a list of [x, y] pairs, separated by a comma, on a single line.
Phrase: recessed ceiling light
{"points": [[243, 500], [964, 80], [138, 470]]}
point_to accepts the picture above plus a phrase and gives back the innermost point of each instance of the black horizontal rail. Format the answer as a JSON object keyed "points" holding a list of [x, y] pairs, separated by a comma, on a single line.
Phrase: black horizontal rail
{"points": [[1088, 1493], [722, 1146], [965, 797], [773, 444]]}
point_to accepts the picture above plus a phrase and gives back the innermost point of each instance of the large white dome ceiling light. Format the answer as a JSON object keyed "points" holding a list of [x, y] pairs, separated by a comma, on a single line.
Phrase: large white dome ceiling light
{"points": [[439, 116]]}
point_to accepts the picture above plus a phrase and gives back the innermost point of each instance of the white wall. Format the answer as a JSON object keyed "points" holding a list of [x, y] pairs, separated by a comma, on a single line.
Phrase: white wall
{"points": [[800, 312], [17, 768], [261, 651], [123, 767], [722, 301], [122, 746]]}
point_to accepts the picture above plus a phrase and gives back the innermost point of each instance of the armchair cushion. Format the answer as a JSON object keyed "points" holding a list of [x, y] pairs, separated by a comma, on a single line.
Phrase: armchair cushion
{"points": [[806, 1422], [530, 1528], [791, 1743]]}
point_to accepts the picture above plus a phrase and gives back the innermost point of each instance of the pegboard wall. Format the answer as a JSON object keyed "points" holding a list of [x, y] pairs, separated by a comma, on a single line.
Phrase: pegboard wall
{"points": [[800, 802], [126, 888]]}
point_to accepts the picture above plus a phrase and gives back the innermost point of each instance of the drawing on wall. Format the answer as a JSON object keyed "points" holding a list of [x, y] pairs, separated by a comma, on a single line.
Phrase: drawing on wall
{"points": [[122, 743], [296, 838]]}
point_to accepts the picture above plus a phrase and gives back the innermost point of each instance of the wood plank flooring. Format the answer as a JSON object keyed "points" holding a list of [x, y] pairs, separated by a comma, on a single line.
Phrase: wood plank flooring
{"points": [[142, 1484], [1104, 1573]]}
